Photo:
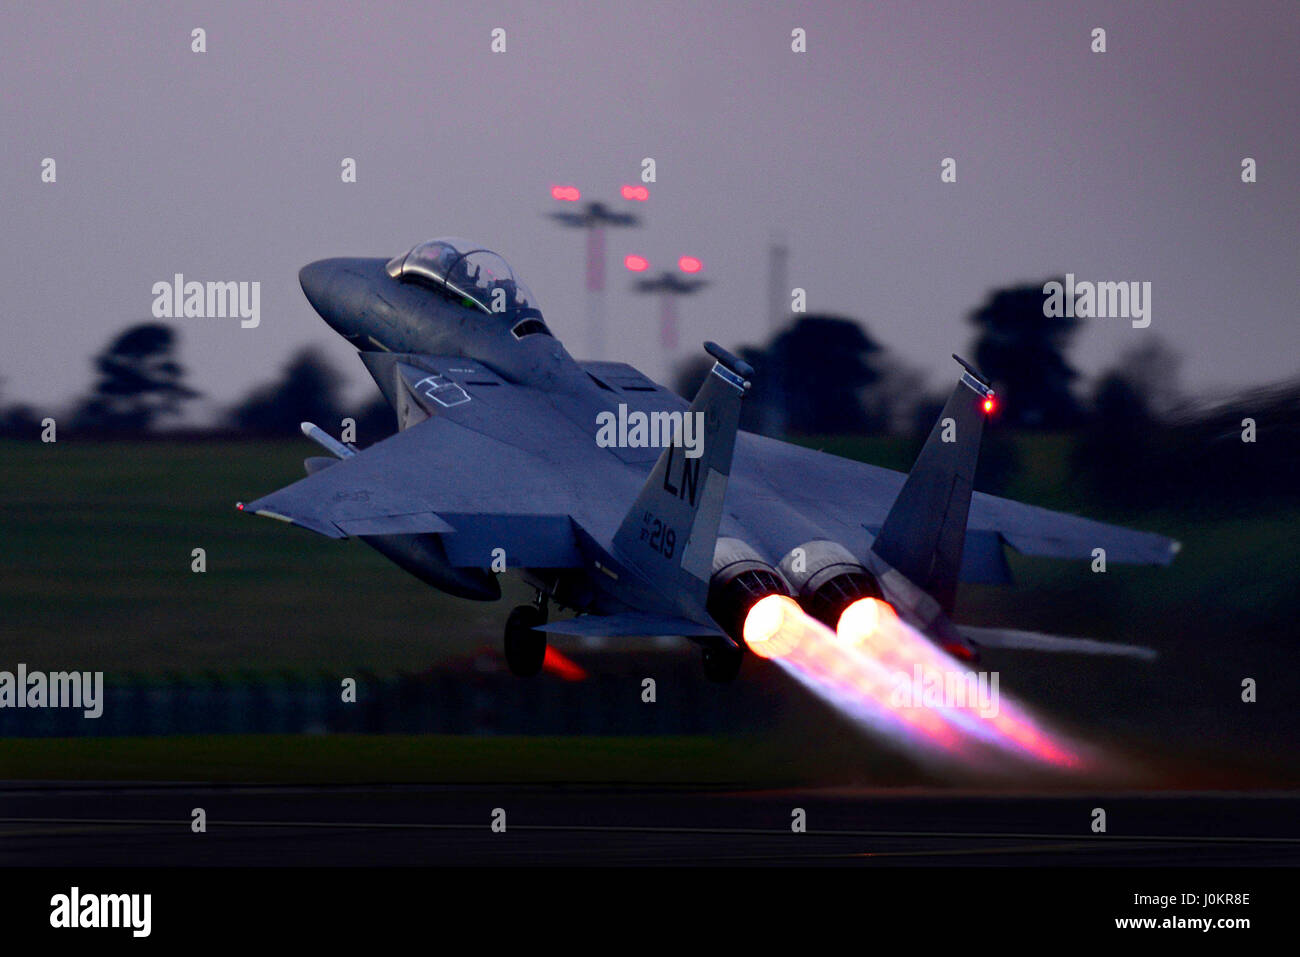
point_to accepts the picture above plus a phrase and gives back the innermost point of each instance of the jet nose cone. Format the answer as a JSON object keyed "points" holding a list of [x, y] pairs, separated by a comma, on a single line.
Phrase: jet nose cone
{"points": [[336, 291], [315, 280], [345, 294]]}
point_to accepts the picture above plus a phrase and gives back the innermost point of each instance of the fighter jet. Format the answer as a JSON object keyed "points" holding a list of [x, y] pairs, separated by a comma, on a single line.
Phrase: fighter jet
{"points": [[614, 498]]}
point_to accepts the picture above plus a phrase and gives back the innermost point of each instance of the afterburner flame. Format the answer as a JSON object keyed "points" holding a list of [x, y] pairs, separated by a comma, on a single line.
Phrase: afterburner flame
{"points": [[863, 620], [894, 682], [772, 626]]}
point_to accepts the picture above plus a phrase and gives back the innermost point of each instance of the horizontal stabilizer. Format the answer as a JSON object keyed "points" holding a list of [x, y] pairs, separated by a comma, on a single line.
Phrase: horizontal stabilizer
{"points": [[1056, 539], [1036, 641], [630, 625]]}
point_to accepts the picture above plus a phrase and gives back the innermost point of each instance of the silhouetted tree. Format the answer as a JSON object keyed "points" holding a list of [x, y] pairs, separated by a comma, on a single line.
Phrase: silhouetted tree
{"points": [[376, 421], [20, 422], [308, 391], [1150, 370], [827, 370], [689, 375], [1116, 449], [821, 375], [139, 381], [1022, 352]]}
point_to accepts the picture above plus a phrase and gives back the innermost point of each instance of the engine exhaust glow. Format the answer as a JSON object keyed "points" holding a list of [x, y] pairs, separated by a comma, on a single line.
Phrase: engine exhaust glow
{"points": [[893, 682], [772, 627], [863, 621]]}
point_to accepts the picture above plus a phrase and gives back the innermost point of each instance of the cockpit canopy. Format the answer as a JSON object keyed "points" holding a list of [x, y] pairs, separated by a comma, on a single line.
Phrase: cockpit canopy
{"points": [[478, 278]]}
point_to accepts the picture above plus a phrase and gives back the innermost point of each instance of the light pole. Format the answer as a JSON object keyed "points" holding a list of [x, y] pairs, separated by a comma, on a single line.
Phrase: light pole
{"points": [[778, 304], [669, 285], [594, 217]]}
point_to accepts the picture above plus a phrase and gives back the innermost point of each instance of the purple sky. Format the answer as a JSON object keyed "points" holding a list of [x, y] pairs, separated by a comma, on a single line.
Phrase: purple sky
{"points": [[225, 166]]}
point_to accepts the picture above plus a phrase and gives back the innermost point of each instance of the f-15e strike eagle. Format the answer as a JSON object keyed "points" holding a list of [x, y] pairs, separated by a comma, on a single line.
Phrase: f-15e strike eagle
{"points": [[615, 498]]}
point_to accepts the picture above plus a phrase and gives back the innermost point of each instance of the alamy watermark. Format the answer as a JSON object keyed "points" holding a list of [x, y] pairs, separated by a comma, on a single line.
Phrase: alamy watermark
{"points": [[1098, 300], [654, 430], [75, 909], [53, 689], [946, 688], [179, 299]]}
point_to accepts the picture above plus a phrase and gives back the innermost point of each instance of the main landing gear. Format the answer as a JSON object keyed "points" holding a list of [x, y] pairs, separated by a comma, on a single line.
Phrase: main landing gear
{"points": [[525, 645]]}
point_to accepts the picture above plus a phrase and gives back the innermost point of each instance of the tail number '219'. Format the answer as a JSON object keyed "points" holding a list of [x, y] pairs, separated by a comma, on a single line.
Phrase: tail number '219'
{"points": [[658, 535]]}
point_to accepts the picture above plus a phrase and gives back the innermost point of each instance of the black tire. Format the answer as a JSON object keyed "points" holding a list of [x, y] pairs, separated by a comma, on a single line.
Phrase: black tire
{"points": [[722, 664], [525, 646]]}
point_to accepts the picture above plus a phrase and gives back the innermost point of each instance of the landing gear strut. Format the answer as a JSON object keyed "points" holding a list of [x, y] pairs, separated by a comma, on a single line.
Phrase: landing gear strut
{"points": [[722, 662], [525, 645]]}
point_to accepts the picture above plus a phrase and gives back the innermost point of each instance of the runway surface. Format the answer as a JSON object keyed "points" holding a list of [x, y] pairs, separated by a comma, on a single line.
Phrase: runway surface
{"points": [[58, 825]]}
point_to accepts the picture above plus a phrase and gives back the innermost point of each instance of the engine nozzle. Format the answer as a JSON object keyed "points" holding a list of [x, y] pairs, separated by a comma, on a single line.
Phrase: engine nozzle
{"points": [[827, 579], [741, 578]]}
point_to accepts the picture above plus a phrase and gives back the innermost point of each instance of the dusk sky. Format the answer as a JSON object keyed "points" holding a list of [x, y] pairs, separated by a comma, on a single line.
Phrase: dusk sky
{"points": [[225, 165]]}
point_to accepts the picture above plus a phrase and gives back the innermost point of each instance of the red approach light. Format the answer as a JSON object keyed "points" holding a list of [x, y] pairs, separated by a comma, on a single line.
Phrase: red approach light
{"points": [[636, 263], [638, 193], [568, 194], [689, 264], [989, 405], [562, 666]]}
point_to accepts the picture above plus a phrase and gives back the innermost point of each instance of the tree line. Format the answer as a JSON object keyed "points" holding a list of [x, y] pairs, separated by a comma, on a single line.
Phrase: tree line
{"points": [[823, 375]]}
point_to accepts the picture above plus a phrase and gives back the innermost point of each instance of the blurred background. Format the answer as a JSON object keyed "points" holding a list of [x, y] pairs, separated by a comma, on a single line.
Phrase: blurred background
{"points": [[774, 171]]}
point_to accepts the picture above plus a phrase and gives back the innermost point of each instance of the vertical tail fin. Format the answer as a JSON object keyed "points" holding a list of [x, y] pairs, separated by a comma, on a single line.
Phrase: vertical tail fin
{"points": [[925, 531], [671, 530]]}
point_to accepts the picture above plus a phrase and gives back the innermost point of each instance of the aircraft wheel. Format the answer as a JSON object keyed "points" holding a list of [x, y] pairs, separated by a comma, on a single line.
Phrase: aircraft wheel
{"points": [[722, 664], [525, 646]]}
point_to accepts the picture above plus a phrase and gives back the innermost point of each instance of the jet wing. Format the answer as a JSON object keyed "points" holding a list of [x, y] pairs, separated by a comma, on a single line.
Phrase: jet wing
{"points": [[496, 467], [845, 498], [499, 465], [1031, 530]]}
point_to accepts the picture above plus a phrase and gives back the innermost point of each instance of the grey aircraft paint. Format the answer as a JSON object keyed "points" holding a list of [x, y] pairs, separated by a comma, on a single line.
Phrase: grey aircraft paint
{"points": [[497, 458]]}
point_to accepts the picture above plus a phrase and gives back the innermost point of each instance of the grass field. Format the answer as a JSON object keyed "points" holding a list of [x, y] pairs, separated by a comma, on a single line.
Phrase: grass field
{"points": [[97, 569], [95, 574], [344, 759]]}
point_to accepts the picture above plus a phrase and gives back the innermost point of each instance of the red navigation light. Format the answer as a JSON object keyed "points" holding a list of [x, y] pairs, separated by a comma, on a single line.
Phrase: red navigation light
{"points": [[989, 405], [638, 193], [636, 263], [689, 264], [568, 194]]}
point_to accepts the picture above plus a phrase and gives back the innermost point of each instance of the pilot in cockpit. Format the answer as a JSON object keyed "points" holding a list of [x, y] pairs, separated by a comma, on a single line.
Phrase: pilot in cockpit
{"points": [[460, 275], [511, 291]]}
